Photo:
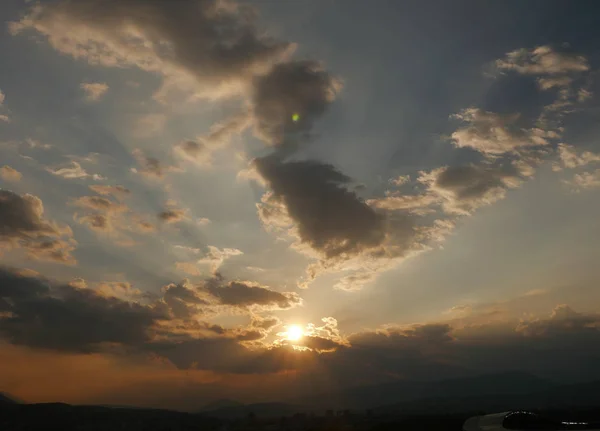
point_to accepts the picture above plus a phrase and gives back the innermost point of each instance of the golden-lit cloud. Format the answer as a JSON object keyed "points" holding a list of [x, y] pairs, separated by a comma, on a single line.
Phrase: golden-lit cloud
{"points": [[94, 90], [10, 174]]}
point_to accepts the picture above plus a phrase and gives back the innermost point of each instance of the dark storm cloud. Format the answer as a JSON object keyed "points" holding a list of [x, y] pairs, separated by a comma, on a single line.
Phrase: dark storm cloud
{"points": [[210, 44], [330, 217], [41, 314], [183, 300], [22, 225], [265, 323], [217, 354], [289, 99], [318, 344], [247, 294]]}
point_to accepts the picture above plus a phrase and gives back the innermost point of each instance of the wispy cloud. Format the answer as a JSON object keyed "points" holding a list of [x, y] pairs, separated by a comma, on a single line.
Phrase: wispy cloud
{"points": [[94, 91], [73, 171]]}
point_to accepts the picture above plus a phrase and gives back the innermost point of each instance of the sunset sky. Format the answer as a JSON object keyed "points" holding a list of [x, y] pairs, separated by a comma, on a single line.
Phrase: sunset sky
{"points": [[203, 197]]}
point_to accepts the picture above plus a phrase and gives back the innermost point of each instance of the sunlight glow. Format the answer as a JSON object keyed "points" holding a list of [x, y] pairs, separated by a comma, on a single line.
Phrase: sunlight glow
{"points": [[294, 333]]}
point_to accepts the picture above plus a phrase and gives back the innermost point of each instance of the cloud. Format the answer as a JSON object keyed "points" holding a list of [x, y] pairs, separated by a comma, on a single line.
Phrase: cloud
{"points": [[463, 189], [458, 190], [99, 204], [10, 174], [416, 204], [543, 60], [400, 180], [200, 150], [97, 222], [118, 289], [206, 48], [3, 117], [22, 225], [110, 217], [143, 225], [491, 133], [555, 70], [356, 281], [215, 256], [547, 83], [330, 218], [72, 171], [35, 144], [563, 321], [117, 191], [264, 323], [40, 313], [586, 180], [247, 294], [583, 95], [151, 167], [572, 158], [173, 215], [67, 318], [94, 90], [183, 300], [289, 99]]}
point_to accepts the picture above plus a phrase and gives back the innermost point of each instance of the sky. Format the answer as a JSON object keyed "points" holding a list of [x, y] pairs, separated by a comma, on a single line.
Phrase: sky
{"points": [[201, 196]]}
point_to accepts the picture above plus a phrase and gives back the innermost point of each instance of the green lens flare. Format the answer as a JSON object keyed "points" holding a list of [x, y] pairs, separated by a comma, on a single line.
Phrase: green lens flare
{"points": [[295, 117]]}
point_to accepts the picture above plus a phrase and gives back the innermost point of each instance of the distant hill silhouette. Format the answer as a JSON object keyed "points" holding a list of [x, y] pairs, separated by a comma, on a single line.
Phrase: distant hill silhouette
{"points": [[221, 404], [406, 390], [9, 399], [260, 410], [62, 416]]}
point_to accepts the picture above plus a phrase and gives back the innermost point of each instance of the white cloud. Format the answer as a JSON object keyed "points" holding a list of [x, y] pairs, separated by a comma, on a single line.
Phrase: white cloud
{"points": [[74, 171], [94, 90]]}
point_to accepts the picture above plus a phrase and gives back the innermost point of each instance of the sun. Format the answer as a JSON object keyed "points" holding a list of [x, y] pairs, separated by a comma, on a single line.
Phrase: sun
{"points": [[294, 333]]}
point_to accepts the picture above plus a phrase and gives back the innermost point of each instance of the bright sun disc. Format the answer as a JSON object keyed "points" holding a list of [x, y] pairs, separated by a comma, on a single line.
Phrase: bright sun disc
{"points": [[294, 333]]}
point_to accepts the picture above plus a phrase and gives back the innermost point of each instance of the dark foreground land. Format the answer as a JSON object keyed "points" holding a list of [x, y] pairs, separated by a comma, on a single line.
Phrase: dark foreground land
{"points": [[66, 417]]}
